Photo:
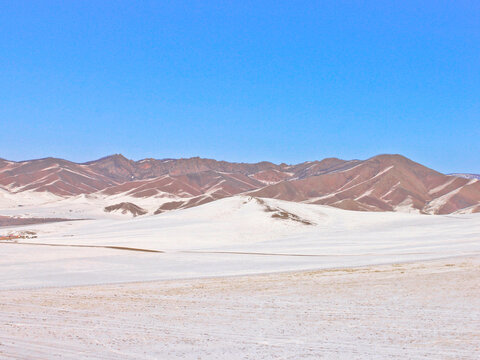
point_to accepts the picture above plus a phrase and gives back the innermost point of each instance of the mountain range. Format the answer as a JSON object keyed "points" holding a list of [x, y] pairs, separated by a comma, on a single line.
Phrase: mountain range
{"points": [[380, 183]]}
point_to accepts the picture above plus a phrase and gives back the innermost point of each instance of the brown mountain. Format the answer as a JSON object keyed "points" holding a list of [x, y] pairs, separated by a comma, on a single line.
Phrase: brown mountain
{"points": [[381, 183], [120, 168], [60, 177]]}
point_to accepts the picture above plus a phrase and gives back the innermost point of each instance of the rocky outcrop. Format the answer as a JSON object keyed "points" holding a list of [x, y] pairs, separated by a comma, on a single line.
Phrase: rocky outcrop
{"points": [[126, 208]]}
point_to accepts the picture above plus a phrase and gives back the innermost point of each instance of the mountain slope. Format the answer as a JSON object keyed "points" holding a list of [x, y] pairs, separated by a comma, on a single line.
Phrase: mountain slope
{"points": [[381, 183], [57, 176]]}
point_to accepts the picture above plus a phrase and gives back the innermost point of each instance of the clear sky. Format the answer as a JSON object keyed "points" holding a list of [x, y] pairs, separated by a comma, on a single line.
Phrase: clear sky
{"points": [[284, 81]]}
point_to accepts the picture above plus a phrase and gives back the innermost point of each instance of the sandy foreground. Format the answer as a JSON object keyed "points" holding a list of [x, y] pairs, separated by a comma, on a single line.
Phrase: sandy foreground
{"points": [[419, 310]]}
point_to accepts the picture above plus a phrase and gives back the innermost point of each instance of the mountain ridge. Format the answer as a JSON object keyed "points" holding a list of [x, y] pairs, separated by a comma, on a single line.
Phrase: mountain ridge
{"points": [[385, 182]]}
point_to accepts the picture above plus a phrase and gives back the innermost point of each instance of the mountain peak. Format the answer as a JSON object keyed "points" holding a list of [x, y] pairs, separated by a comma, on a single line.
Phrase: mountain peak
{"points": [[113, 157]]}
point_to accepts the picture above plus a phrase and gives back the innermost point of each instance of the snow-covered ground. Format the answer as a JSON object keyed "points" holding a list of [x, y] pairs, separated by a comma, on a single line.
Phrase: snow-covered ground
{"points": [[328, 283], [232, 236], [425, 310], [91, 206]]}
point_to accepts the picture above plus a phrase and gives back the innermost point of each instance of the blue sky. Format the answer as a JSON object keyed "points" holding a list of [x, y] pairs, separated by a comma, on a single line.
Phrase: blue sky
{"points": [[284, 81]]}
